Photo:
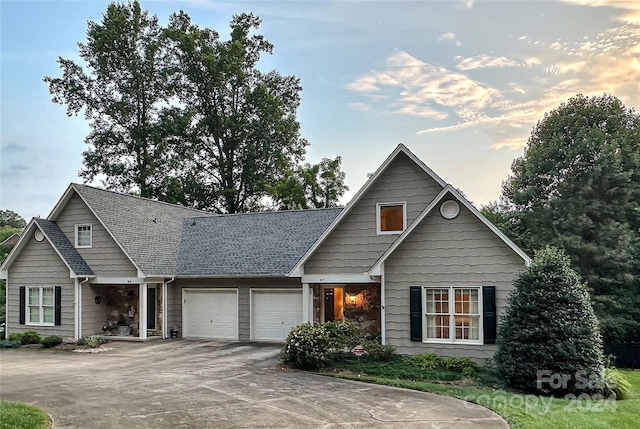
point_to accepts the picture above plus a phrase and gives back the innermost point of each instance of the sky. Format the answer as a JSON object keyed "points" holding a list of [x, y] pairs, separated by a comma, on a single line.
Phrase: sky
{"points": [[460, 83]]}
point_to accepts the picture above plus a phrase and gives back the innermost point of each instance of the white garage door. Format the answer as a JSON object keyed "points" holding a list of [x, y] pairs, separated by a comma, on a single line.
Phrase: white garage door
{"points": [[274, 313], [211, 313]]}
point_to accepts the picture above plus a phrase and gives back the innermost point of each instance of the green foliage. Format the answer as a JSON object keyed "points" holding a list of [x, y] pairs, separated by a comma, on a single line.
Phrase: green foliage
{"points": [[616, 383], [93, 341], [11, 219], [549, 325], [9, 344], [381, 352], [14, 415], [462, 364], [310, 186], [307, 347], [15, 337], [30, 337], [344, 335], [577, 187], [51, 341], [427, 360]]}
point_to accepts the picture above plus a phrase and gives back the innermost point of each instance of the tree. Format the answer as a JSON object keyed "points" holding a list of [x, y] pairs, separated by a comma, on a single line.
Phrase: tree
{"points": [[125, 93], [577, 187], [549, 325], [310, 186], [12, 219], [243, 134]]}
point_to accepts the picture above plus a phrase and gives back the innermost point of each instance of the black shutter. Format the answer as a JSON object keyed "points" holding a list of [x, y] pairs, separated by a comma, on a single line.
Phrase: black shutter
{"points": [[489, 314], [58, 306], [415, 312], [22, 305]]}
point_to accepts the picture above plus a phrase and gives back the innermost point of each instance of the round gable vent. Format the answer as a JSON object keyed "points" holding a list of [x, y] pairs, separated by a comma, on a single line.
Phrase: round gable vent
{"points": [[449, 209], [38, 235]]}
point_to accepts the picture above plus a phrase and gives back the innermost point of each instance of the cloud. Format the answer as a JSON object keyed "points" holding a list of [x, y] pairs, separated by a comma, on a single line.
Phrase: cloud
{"points": [[511, 143], [466, 4], [425, 90], [362, 107], [447, 37], [14, 148], [484, 61], [630, 8]]}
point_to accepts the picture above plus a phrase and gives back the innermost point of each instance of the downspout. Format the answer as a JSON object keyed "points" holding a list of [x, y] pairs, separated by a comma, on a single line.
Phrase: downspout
{"points": [[78, 327], [164, 308]]}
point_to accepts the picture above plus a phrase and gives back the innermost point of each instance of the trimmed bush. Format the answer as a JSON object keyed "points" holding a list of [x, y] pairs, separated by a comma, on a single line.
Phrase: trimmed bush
{"points": [[8, 344], [378, 351], [31, 337], [307, 347], [427, 360], [549, 330], [15, 337], [51, 341], [462, 364], [344, 336]]}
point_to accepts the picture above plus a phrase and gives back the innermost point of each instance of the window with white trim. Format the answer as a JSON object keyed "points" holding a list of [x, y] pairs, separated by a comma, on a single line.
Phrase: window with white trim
{"points": [[84, 236], [40, 305], [391, 217], [452, 314]]}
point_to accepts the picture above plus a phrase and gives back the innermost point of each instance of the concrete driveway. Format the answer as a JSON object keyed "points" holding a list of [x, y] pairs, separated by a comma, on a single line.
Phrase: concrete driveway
{"points": [[198, 384]]}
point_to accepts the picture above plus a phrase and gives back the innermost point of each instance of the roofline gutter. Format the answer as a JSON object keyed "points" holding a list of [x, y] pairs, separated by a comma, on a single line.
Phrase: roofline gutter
{"points": [[231, 276]]}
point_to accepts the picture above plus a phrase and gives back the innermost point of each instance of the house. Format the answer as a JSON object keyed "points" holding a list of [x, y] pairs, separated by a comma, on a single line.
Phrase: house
{"points": [[11, 240], [409, 258]]}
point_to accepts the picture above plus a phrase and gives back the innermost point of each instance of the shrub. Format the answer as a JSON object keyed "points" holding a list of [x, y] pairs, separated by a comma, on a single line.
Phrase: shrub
{"points": [[617, 384], [9, 344], [51, 341], [307, 347], [345, 335], [462, 364], [31, 337], [15, 337], [427, 360], [549, 326], [379, 351], [80, 342], [93, 340]]}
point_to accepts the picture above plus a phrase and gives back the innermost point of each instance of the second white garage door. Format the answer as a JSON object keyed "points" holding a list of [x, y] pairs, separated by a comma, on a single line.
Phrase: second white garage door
{"points": [[210, 313], [274, 313]]}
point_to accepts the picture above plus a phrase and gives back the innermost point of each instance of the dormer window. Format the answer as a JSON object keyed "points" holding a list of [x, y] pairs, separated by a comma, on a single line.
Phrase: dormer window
{"points": [[392, 217], [84, 236]]}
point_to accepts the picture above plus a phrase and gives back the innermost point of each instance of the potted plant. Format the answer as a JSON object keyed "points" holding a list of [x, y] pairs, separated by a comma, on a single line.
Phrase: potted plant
{"points": [[123, 327]]}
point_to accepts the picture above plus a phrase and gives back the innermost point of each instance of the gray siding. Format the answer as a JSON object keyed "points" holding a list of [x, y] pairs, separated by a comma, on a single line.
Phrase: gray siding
{"points": [[94, 316], [439, 252], [354, 246], [39, 265], [174, 297], [105, 256]]}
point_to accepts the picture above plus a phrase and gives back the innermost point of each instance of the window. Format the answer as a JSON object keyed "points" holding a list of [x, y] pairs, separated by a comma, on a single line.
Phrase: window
{"points": [[84, 236], [40, 306], [392, 218], [452, 314]]}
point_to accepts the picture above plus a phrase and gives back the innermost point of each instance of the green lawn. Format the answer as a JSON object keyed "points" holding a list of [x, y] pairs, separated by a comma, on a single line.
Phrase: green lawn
{"points": [[522, 411], [14, 415]]}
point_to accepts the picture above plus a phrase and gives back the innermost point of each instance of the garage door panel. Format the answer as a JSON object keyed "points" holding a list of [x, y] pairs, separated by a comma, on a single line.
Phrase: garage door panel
{"points": [[274, 313], [211, 313]]}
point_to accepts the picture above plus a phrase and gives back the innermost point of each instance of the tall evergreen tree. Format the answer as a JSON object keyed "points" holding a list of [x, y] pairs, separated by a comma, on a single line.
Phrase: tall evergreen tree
{"points": [[577, 187]]}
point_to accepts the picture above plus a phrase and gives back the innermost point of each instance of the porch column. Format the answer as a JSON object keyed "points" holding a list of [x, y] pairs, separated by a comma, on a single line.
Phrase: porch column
{"points": [[165, 331], [306, 311], [76, 310], [142, 309]]}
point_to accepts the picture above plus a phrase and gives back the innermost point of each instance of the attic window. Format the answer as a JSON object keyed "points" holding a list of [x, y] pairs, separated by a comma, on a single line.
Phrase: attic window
{"points": [[84, 236], [392, 218]]}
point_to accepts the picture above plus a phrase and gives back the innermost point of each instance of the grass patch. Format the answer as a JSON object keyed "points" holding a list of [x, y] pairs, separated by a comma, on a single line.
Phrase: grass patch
{"points": [[14, 415], [522, 411]]}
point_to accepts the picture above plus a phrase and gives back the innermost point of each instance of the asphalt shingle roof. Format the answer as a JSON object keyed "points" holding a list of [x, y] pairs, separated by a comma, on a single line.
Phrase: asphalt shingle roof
{"points": [[148, 231], [266, 243], [68, 252]]}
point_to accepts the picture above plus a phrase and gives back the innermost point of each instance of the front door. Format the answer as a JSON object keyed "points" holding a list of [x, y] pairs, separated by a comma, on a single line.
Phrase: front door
{"points": [[333, 304]]}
